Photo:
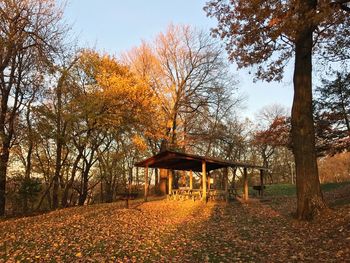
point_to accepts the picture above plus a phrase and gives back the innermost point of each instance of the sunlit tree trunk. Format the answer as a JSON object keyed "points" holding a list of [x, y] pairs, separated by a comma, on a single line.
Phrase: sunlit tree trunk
{"points": [[309, 197]]}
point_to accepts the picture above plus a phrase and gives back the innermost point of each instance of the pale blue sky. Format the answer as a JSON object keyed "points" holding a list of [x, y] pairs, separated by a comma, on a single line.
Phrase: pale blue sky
{"points": [[115, 26]]}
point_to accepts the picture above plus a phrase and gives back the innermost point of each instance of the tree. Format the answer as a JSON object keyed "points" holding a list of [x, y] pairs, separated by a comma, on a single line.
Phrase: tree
{"points": [[114, 104], [187, 71], [268, 34], [273, 131], [276, 135], [29, 35], [332, 114], [335, 168]]}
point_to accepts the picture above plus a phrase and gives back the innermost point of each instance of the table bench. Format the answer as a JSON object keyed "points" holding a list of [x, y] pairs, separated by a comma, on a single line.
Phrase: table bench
{"points": [[259, 188]]}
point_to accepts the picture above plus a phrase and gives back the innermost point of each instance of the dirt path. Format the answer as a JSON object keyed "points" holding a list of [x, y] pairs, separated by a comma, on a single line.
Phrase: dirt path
{"points": [[163, 231]]}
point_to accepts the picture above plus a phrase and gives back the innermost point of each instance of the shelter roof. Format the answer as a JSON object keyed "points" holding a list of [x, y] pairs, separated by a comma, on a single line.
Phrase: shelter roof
{"points": [[184, 161]]}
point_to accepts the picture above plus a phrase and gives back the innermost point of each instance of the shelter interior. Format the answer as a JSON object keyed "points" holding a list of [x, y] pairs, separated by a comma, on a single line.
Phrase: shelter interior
{"points": [[169, 161]]}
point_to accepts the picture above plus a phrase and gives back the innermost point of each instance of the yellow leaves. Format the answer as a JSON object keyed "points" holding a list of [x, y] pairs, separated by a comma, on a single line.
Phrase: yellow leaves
{"points": [[124, 98], [139, 143], [165, 231]]}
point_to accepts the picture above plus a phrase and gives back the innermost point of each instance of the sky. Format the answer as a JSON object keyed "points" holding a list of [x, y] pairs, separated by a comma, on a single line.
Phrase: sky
{"points": [[115, 26]]}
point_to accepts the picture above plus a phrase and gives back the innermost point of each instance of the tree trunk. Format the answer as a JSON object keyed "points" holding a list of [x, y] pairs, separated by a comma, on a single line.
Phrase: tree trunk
{"points": [[85, 180], [84, 188], [56, 175], [28, 165], [46, 194], [4, 157], [109, 193], [309, 197], [4, 147], [64, 199], [59, 144]]}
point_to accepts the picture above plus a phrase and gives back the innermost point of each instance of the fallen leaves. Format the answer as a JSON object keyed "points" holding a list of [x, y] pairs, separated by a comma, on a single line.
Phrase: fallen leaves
{"points": [[187, 231]]}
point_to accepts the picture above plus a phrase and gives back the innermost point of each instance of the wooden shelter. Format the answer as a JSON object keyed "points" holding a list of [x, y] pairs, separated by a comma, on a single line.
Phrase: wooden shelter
{"points": [[172, 160]]}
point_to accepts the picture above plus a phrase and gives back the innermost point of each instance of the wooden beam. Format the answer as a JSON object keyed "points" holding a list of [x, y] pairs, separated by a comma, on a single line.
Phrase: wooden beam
{"points": [[262, 182], [146, 184], [204, 180], [191, 179], [245, 187], [226, 183]]}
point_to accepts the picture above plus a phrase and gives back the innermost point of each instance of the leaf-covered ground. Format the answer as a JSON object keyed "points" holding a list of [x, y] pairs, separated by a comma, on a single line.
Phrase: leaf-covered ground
{"points": [[180, 231]]}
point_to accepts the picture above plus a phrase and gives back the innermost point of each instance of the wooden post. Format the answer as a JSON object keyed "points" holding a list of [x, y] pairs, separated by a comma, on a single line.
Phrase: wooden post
{"points": [[204, 180], [137, 178], [208, 181], [146, 183], [129, 188], [226, 183], [245, 188], [191, 179], [170, 181], [262, 182], [158, 175], [163, 174]]}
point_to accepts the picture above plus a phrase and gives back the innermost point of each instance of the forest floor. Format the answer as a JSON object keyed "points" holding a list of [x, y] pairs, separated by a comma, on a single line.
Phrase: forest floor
{"points": [[262, 230]]}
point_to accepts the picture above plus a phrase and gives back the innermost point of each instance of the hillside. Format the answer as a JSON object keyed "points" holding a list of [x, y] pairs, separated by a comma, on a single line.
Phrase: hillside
{"points": [[184, 231]]}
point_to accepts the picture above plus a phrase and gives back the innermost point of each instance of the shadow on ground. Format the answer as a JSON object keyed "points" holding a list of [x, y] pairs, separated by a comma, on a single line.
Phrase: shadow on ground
{"points": [[178, 231]]}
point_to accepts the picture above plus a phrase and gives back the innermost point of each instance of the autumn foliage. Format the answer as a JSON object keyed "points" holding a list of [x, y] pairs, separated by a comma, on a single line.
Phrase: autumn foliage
{"points": [[277, 134], [186, 231]]}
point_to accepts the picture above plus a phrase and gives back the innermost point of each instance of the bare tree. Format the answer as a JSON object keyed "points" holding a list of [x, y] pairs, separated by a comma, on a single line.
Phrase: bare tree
{"points": [[30, 32]]}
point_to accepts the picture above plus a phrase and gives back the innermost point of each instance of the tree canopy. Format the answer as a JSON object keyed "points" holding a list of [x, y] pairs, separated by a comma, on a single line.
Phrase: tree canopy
{"points": [[266, 34], [332, 114]]}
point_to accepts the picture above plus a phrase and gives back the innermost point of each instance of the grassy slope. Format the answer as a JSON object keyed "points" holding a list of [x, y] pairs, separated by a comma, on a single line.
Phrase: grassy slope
{"points": [[290, 190]]}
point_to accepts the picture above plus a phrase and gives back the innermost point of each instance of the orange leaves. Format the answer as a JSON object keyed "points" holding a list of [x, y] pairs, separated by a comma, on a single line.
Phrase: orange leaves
{"points": [[124, 99], [187, 231], [278, 133], [140, 143]]}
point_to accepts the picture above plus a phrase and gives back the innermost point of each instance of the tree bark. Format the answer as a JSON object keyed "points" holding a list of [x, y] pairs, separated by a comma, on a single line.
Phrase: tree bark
{"points": [[28, 165], [7, 123], [59, 142], [109, 192], [85, 180], [4, 157], [309, 197], [84, 188], [64, 199]]}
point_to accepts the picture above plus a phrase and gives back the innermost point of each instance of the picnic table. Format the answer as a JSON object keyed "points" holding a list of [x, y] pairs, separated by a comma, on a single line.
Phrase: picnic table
{"points": [[186, 193], [196, 194]]}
